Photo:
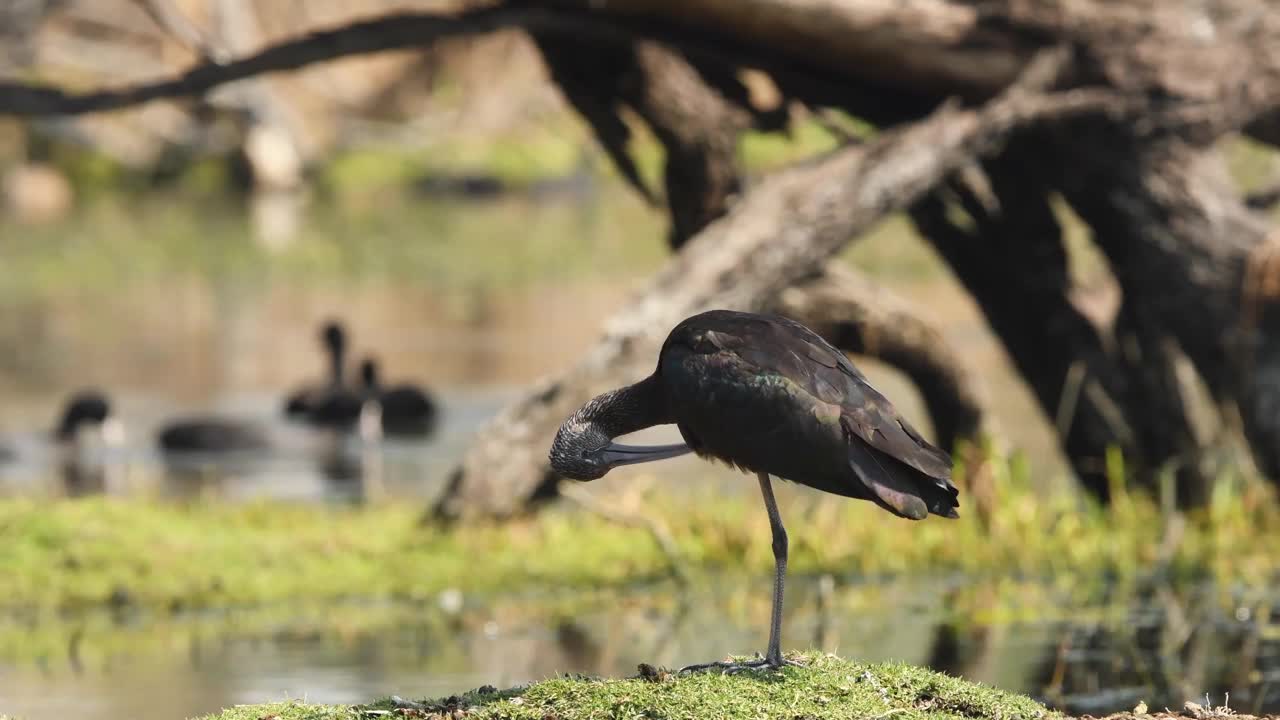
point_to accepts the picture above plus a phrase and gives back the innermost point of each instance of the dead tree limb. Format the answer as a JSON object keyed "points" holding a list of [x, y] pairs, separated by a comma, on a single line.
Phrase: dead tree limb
{"points": [[697, 126], [824, 51], [1180, 242], [1014, 264], [781, 232], [588, 75], [699, 130]]}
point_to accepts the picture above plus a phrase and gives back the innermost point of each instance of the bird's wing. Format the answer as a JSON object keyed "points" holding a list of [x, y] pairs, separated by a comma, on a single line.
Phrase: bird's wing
{"points": [[793, 351], [898, 468]]}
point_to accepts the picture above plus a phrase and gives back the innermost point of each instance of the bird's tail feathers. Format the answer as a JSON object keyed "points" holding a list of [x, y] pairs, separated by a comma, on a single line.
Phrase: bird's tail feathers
{"points": [[900, 489]]}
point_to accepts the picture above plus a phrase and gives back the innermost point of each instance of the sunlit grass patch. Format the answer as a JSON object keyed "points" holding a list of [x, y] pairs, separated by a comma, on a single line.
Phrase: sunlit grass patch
{"points": [[825, 686], [148, 553]]}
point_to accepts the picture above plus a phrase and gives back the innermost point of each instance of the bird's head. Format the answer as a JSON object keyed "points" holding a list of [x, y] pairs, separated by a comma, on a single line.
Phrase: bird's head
{"points": [[579, 451], [85, 409], [332, 335], [584, 448], [369, 373]]}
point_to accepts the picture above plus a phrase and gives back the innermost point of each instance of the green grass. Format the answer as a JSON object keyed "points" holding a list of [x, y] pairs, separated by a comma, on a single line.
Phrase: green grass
{"points": [[91, 552], [826, 686]]}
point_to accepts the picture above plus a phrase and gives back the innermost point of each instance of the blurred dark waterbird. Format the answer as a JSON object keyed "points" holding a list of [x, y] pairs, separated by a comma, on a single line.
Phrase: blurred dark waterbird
{"points": [[211, 435], [332, 404], [404, 409], [85, 428], [86, 409], [767, 395]]}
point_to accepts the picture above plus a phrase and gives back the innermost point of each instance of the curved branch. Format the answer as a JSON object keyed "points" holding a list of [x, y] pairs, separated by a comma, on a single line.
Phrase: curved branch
{"points": [[392, 32], [418, 29]]}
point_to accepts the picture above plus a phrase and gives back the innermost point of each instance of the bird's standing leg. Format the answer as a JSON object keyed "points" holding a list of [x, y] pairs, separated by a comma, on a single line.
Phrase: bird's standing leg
{"points": [[774, 654], [773, 657]]}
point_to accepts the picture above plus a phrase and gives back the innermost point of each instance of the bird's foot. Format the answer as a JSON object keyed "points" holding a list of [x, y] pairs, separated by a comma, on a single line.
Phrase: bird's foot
{"points": [[732, 667]]}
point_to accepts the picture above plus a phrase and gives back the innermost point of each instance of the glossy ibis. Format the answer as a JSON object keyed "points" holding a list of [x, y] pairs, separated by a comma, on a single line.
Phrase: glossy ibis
{"points": [[404, 409], [769, 396]]}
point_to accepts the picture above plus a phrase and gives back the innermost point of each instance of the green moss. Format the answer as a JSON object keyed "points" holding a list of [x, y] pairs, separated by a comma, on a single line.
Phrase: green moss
{"points": [[825, 686]]}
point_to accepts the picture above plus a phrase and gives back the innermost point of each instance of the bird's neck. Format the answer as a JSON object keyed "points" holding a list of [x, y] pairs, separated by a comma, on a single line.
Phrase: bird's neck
{"points": [[335, 364], [628, 409]]}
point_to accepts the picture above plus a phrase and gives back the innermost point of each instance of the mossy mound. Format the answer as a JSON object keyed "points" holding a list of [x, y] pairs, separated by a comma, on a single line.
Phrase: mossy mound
{"points": [[825, 686]]}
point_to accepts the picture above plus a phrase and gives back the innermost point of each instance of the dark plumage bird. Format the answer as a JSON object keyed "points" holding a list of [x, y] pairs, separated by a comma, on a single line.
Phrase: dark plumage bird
{"points": [[85, 409], [211, 435], [332, 404], [86, 427], [769, 396], [404, 409], [339, 409]]}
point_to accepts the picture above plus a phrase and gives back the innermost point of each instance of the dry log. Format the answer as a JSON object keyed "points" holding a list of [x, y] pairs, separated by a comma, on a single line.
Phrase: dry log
{"points": [[782, 231], [1222, 55]]}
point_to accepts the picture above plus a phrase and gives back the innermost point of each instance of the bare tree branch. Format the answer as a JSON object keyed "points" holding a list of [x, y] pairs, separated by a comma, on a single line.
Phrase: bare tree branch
{"points": [[1165, 62]]}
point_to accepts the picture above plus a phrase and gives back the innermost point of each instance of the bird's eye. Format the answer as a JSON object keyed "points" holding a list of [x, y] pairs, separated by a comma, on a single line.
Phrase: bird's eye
{"points": [[584, 454]]}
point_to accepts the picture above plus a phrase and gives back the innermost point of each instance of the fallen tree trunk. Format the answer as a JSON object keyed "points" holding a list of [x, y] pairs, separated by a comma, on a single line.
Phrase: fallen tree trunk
{"points": [[783, 231]]}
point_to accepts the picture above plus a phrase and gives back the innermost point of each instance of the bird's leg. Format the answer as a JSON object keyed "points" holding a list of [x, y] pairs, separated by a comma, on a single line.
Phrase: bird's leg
{"points": [[774, 654], [773, 657]]}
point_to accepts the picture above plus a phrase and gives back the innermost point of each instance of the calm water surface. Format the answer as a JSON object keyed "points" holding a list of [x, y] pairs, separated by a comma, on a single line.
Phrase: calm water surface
{"points": [[1162, 649]]}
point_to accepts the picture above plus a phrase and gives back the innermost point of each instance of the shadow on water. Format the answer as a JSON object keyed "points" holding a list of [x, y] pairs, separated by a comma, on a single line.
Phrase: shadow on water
{"points": [[1161, 647]]}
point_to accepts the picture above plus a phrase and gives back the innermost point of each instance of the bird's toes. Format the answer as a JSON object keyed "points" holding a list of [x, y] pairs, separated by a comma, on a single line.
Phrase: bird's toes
{"points": [[736, 668], [733, 667]]}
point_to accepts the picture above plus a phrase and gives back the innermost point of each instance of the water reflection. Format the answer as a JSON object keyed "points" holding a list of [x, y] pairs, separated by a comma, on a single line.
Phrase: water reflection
{"points": [[1160, 647]]}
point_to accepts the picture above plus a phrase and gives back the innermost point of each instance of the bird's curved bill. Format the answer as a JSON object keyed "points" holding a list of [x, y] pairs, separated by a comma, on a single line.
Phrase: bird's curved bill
{"points": [[615, 454]]}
